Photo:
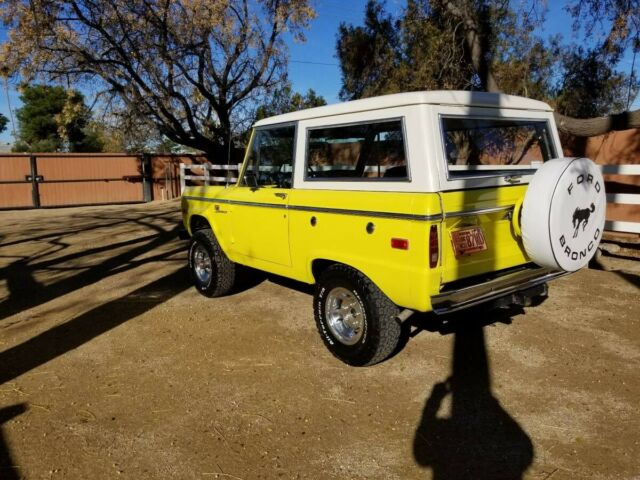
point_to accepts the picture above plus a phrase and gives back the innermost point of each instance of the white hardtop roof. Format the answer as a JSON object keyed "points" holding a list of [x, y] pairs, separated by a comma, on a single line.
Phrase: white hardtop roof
{"points": [[435, 97]]}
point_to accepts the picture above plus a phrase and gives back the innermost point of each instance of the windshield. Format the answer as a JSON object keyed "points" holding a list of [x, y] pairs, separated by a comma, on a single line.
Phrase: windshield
{"points": [[483, 145]]}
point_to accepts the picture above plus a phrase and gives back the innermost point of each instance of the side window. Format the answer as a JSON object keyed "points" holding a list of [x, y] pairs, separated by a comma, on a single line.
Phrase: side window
{"points": [[364, 151], [270, 159]]}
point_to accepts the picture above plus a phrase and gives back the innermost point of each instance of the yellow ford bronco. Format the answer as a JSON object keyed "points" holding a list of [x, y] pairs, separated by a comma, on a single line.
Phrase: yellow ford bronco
{"points": [[424, 201]]}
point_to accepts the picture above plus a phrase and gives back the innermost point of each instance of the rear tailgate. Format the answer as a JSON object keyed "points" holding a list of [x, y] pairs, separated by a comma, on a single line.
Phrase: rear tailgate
{"points": [[471, 216]]}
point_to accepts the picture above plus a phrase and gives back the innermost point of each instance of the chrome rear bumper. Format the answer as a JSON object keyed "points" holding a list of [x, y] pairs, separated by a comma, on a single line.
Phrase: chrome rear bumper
{"points": [[457, 299]]}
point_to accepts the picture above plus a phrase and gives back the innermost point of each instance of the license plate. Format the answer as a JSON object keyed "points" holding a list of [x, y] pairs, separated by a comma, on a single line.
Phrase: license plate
{"points": [[467, 241]]}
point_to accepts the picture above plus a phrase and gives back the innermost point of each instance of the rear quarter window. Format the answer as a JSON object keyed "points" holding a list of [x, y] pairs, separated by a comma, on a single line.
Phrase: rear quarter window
{"points": [[372, 151]]}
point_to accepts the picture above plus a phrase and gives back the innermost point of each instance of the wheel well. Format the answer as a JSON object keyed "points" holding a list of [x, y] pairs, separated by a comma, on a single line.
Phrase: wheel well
{"points": [[198, 223], [320, 265]]}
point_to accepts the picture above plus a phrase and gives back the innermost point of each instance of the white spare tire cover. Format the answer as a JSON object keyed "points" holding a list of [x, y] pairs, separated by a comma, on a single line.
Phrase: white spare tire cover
{"points": [[563, 213]]}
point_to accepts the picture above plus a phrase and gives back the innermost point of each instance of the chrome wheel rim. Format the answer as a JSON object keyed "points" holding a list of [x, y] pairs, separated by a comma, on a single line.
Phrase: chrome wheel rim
{"points": [[345, 316], [202, 264]]}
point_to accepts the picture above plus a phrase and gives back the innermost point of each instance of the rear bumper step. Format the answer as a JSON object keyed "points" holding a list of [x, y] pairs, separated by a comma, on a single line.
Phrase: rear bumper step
{"points": [[509, 283]]}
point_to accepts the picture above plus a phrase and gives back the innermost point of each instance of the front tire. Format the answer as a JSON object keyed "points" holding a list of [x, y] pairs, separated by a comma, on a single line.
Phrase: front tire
{"points": [[356, 321], [212, 272]]}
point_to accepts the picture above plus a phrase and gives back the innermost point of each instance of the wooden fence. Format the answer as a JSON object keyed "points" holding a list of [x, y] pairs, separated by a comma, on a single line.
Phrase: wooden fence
{"points": [[63, 179], [619, 154], [622, 205], [208, 174]]}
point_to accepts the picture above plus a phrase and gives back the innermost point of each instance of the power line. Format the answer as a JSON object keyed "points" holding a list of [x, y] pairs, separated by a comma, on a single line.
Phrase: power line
{"points": [[315, 63]]}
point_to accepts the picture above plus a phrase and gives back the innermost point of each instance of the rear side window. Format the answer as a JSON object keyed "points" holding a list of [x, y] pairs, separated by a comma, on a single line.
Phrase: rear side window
{"points": [[486, 145], [363, 151]]}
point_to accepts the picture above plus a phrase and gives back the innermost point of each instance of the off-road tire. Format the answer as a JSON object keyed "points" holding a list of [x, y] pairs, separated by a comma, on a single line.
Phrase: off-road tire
{"points": [[223, 270], [380, 332]]}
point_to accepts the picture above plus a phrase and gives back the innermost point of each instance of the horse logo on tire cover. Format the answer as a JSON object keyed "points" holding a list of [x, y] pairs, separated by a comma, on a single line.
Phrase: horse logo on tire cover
{"points": [[581, 217]]}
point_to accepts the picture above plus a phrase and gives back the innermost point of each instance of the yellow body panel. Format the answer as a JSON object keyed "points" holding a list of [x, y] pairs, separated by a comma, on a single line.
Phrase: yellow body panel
{"points": [[504, 246], [253, 235], [258, 231], [283, 231], [199, 202], [403, 275]]}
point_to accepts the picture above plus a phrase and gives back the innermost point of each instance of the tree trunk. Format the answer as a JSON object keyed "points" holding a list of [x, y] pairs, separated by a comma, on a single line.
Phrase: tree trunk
{"points": [[478, 58], [579, 127], [590, 127], [477, 47]]}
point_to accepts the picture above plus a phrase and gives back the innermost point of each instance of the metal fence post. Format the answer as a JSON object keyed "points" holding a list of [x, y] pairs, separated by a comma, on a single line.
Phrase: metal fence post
{"points": [[147, 177], [35, 187], [183, 181]]}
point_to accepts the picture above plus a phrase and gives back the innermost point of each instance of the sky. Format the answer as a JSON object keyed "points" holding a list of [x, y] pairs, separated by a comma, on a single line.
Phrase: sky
{"points": [[313, 64], [323, 75]]}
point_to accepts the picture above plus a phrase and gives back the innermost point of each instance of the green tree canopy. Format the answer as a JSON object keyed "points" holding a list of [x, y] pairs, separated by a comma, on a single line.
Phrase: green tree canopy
{"points": [[590, 87], [491, 45], [53, 119], [369, 55], [286, 100], [3, 123], [426, 48]]}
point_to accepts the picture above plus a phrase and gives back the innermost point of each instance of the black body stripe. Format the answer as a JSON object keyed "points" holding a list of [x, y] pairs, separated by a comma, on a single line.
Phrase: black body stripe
{"points": [[339, 211], [361, 213]]}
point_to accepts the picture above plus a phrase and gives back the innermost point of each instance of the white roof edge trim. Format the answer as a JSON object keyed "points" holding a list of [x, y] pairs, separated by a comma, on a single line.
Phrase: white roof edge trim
{"points": [[436, 97]]}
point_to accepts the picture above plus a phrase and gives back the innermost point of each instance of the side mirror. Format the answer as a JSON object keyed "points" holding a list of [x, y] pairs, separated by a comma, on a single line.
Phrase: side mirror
{"points": [[251, 180]]}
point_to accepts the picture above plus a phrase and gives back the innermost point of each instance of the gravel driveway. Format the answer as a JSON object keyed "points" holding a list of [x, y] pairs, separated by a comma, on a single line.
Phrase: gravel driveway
{"points": [[112, 366]]}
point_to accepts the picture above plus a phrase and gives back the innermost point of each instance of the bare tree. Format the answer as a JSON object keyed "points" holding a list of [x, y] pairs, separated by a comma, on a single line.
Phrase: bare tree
{"points": [[189, 66]]}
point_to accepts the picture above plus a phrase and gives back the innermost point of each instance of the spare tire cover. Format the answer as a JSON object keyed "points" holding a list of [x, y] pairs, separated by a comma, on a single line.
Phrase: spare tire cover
{"points": [[563, 213]]}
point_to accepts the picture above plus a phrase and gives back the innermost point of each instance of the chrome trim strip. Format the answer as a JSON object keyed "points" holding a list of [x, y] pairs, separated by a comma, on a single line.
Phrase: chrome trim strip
{"points": [[368, 213], [477, 211], [338, 211], [486, 291], [236, 202], [202, 199]]}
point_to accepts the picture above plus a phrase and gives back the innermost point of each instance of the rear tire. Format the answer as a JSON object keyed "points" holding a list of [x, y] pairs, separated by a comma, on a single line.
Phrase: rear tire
{"points": [[356, 321], [212, 272]]}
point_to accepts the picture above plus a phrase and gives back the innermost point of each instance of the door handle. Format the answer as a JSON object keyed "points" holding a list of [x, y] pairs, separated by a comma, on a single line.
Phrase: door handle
{"points": [[281, 195], [513, 178]]}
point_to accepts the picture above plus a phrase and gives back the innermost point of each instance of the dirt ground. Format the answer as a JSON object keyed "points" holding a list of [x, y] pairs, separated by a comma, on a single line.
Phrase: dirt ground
{"points": [[112, 366]]}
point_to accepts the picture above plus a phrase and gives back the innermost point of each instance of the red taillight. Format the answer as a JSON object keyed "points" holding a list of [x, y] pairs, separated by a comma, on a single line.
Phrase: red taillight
{"points": [[434, 250], [400, 243]]}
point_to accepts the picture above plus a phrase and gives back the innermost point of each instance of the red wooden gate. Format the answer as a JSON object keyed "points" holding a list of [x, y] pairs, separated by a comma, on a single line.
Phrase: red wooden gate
{"points": [[16, 186]]}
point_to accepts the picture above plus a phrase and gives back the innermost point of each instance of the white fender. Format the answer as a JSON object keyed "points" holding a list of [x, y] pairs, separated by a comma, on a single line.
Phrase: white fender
{"points": [[563, 213]]}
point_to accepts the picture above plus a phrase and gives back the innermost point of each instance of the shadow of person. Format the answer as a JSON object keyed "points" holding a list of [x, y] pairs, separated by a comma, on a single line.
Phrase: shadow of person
{"points": [[8, 471], [478, 439], [20, 283]]}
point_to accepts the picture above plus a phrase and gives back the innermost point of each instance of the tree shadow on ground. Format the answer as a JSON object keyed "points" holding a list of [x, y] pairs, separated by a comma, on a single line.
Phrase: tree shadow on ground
{"points": [[475, 437], [62, 338], [26, 292], [633, 279], [154, 243], [8, 470]]}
